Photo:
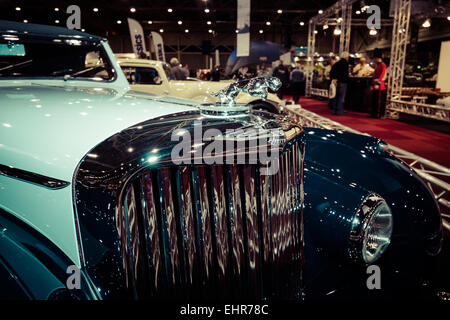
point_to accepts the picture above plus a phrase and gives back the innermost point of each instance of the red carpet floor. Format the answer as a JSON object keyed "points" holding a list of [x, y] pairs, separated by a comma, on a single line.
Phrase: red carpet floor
{"points": [[429, 144]]}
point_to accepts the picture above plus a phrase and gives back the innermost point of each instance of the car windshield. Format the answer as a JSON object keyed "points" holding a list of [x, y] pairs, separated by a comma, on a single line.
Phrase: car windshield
{"points": [[28, 57]]}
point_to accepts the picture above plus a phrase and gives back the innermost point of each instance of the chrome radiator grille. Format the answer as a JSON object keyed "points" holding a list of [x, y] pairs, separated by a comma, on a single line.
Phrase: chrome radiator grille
{"points": [[220, 231]]}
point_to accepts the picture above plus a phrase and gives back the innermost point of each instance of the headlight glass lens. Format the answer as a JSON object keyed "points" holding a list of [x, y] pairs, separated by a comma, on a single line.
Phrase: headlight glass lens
{"points": [[377, 234]]}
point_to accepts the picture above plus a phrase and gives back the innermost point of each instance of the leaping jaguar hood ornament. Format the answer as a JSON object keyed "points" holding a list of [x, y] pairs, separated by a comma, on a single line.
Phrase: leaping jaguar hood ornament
{"points": [[255, 87], [227, 107]]}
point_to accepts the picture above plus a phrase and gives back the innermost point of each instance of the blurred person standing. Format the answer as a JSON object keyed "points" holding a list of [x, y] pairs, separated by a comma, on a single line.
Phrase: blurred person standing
{"points": [[263, 71], [339, 74], [297, 79], [186, 70], [215, 75], [379, 88], [328, 68], [362, 69], [282, 73], [178, 73], [327, 78]]}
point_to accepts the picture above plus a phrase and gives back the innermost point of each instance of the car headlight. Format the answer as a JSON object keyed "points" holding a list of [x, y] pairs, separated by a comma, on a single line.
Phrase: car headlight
{"points": [[371, 230]]}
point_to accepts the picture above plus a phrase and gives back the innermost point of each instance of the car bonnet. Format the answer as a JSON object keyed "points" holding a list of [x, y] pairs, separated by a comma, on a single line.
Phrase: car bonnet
{"points": [[48, 129]]}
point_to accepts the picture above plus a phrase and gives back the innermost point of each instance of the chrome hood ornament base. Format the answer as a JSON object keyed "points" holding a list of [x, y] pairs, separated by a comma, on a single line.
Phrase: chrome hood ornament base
{"points": [[227, 107]]}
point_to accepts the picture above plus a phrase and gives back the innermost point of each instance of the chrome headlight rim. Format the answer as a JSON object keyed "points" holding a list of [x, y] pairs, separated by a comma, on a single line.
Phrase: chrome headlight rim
{"points": [[370, 207]]}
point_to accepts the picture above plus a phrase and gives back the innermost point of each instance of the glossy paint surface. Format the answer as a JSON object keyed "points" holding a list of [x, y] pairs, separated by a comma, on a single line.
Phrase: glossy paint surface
{"points": [[36, 266], [341, 169], [48, 129]]}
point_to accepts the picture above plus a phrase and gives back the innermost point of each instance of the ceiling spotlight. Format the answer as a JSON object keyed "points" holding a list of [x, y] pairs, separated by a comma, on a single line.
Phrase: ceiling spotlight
{"points": [[210, 31], [180, 22], [279, 11], [325, 27], [337, 31], [268, 23], [339, 20], [169, 10], [372, 32], [186, 30], [149, 21], [448, 18], [358, 12], [25, 21], [261, 31], [18, 9], [56, 21], [161, 30], [426, 23], [206, 10], [132, 9], [320, 11], [315, 31], [95, 9], [56, 9], [208, 22], [302, 23], [119, 22]]}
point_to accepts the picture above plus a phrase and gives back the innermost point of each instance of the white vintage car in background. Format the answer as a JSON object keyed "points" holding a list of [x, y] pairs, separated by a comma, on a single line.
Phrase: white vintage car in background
{"points": [[152, 76]]}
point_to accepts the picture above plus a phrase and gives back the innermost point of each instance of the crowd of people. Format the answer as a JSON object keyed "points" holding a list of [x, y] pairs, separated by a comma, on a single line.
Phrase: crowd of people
{"points": [[339, 76], [293, 79], [178, 72]]}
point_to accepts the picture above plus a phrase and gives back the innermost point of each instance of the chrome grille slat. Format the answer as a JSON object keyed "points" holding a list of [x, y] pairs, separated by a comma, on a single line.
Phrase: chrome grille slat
{"points": [[252, 232], [236, 231], [187, 225], [133, 232], [152, 235], [204, 225], [220, 230], [170, 235], [214, 232]]}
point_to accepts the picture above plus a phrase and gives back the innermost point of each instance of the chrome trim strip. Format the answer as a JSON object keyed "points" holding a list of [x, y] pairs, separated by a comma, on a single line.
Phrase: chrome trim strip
{"points": [[34, 178]]}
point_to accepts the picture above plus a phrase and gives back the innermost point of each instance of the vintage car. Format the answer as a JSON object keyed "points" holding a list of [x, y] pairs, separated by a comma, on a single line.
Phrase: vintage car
{"points": [[93, 205], [152, 76]]}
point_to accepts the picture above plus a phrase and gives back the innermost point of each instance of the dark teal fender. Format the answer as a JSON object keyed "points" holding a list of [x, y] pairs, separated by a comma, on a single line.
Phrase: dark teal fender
{"points": [[341, 169], [32, 267]]}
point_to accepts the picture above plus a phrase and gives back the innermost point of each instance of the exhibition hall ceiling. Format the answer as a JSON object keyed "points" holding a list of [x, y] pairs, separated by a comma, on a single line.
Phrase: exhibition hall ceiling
{"points": [[106, 17]]}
